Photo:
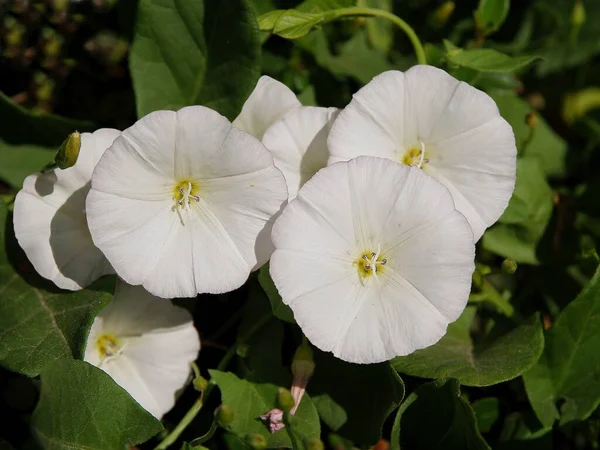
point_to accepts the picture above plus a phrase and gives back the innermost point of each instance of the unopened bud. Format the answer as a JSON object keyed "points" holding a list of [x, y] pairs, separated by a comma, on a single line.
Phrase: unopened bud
{"points": [[256, 441], [532, 119], [285, 401], [315, 444], [440, 16], [200, 383], [68, 152], [509, 266], [224, 416], [578, 14], [303, 364]]}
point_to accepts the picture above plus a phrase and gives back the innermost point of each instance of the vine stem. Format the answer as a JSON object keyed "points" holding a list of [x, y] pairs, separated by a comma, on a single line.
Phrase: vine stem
{"points": [[197, 406], [372, 12]]}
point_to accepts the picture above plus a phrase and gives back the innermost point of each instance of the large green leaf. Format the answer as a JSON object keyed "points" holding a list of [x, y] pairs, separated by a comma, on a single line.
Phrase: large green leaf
{"points": [[38, 326], [521, 227], [194, 52], [249, 400], [486, 59], [19, 161], [569, 368], [496, 358], [362, 391], [547, 146], [436, 416], [81, 407]]}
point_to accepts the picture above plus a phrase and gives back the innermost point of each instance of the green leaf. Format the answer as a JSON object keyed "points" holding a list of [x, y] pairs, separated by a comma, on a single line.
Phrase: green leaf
{"points": [[324, 5], [522, 431], [487, 411], [250, 400], [498, 357], [19, 161], [290, 23], [486, 59], [372, 391], [491, 14], [569, 368], [522, 225], [332, 414], [280, 310], [194, 52], [547, 146], [38, 326], [380, 31], [436, 416], [81, 407]]}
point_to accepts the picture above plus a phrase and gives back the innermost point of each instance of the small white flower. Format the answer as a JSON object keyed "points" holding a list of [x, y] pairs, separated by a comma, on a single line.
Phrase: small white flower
{"points": [[298, 143], [146, 344], [373, 259], [50, 220], [182, 203], [269, 102], [426, 118]]}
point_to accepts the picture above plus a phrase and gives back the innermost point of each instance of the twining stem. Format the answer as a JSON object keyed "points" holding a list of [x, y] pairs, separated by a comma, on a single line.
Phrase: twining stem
{"points": [[206, 436], [197, 406], [372, 12]]}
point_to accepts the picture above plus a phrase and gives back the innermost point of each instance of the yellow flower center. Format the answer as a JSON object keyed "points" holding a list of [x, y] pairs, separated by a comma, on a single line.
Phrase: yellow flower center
{"points": [[370, 263], [184, 193], [107, 345], [415, 156]]}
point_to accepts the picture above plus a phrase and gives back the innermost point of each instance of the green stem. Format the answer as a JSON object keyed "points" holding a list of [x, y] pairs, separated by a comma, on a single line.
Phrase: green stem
{"points": [[371, 12], [206, 436], [290, 433], [197, 406]]}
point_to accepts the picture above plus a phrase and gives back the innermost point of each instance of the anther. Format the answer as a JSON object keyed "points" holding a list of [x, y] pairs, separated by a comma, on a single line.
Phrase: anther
{"points": [[383, 262]]}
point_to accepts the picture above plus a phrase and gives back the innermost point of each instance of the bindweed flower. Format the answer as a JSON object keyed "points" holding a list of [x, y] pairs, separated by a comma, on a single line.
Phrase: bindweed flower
{"points": [[303, 367], [274, 419], [269, 102], [373, 259], [182, 203], [298, 143], [50, 219], [426, 118], [146, 344]]}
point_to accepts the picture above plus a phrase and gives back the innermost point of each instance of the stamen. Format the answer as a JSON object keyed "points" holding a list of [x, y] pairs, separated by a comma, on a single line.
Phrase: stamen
{"points": [[422, 156]]}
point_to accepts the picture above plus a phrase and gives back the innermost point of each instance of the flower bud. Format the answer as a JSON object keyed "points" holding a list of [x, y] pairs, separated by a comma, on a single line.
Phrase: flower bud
{"points": [[578, 14], [69, 151], [315, 444], [285, 401], [256, 441], [200, 383], [440, 16], [531, 119], [509, 266], [303, 364], [224, 416]]}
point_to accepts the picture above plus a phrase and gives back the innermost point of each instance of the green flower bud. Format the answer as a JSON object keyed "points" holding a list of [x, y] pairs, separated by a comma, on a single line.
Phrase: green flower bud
{"points": [[256, 441], [224, 416], [200, 383], [578, 14], [285, 401], [69, 151], [441, 15], [509, 266], [315, 444], [303, 364], [531, 119]]}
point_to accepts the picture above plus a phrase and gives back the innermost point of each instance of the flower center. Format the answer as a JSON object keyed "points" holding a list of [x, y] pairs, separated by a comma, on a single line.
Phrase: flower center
{"points": [[183, 194], [108, 345], [370, 263], [415, 156]]}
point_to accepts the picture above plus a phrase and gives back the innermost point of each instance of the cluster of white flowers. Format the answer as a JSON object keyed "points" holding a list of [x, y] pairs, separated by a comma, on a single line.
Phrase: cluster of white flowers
{"points": [[369, 216]]}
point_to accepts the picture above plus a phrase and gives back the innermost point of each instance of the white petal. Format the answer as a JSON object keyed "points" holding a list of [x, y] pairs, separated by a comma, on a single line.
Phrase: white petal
{"points": [[158, 342], [365, 205], [298, 143], [469, 147], [50, 220], [210, 246], [269, 102]]}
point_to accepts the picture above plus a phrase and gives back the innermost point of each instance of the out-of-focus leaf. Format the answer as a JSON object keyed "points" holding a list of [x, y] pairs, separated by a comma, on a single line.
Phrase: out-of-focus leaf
{"points": [[487, 411], [81, 407], [522, 431], [491, 14], [569, 368], [249, 400], [499, 357], [38, 326], [486, 59], [436, 416], [379, 30], [547, 146], [280, 310], [194, 52], [19, 161], [577, 104], [372, 391], [324, 5], [522, 225], [331, 413]]}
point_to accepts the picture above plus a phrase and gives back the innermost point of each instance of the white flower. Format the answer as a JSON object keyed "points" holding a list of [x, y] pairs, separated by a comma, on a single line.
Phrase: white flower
{"points": [[182, 203], [146, 344], [50, 221], [373, 259], [269, 102], [428, 119], [298, 143]]}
